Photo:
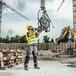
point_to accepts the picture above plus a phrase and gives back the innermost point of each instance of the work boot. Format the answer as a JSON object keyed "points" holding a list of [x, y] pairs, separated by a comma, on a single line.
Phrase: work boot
{"points": [[36, 66], [26, 67]]}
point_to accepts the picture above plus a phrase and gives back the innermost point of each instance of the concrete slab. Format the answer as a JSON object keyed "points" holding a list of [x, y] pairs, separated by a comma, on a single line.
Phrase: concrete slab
{"points": [[47, 68], [69, 60]]}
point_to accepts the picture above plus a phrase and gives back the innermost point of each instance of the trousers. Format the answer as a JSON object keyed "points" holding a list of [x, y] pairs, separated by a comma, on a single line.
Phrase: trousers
{"points": [[31, 50]]}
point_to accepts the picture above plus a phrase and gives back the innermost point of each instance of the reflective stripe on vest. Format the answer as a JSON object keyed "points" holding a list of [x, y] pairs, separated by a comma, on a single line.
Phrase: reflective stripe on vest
{"points": [[32, 39]]}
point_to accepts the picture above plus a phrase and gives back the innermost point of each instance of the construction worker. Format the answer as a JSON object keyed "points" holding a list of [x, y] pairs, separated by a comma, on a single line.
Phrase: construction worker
{"points": [[32, 47]]}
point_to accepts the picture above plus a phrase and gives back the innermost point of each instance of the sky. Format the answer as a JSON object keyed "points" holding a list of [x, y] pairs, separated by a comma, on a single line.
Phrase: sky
{"points": [[13, 24]]}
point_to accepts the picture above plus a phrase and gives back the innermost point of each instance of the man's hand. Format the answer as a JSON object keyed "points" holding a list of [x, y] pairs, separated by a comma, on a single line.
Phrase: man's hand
{"points": [[39, 32], [34, 33]]}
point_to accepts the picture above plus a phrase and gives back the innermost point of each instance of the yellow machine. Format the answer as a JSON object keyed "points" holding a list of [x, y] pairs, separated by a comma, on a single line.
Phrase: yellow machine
{"points": [[73, 32]]}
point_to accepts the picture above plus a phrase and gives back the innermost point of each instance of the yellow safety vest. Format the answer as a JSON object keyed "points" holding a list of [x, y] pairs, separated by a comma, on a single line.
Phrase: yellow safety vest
{"points": [[32, 39], [74, 50]]}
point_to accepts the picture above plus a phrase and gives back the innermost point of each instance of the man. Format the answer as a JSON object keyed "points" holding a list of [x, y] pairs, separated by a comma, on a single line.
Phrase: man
{"points": [[32, 47]]}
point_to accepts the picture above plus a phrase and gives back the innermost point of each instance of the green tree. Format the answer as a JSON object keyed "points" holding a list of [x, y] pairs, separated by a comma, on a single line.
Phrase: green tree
{"points": [[17, 39], [7, 39], [46, 39], [66, 38], [12, 40], [1, 40], [52, 40], [4, 40], [23, 39]]}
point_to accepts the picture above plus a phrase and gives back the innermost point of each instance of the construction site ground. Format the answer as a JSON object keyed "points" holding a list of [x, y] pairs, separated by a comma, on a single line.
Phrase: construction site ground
{"points": [[65, 67]]}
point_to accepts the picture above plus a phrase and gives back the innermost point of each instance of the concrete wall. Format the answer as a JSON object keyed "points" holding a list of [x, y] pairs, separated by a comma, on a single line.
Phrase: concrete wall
{"points": [[41, 46]]}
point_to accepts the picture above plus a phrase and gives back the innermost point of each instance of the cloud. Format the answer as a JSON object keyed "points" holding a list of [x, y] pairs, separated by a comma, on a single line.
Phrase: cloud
{"points": [[10, 32], [30, 9], [21, 5]]}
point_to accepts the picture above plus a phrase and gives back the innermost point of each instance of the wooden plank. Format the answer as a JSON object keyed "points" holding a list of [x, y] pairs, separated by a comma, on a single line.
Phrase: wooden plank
{"points": [[12, 50], [20, 56], [5, 58], [1, 61], [5, 50]]}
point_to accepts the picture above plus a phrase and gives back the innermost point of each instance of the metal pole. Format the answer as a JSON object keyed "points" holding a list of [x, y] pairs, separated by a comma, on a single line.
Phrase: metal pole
{"points": [[60, 5], [42, 4], [0, 17]]}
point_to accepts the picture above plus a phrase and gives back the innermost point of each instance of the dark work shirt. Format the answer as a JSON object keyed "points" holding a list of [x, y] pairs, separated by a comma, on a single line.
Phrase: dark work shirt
{"points": [[29, 33]]}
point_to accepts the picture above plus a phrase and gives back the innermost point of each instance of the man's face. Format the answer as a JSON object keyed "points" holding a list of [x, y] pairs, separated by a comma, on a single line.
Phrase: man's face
{"points": [[31, 28]]}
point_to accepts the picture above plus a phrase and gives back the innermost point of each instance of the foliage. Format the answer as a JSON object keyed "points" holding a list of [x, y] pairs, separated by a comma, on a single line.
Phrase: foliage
{"points": [[16, 39], [66, 38], [52, 40], [46, 39]]}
